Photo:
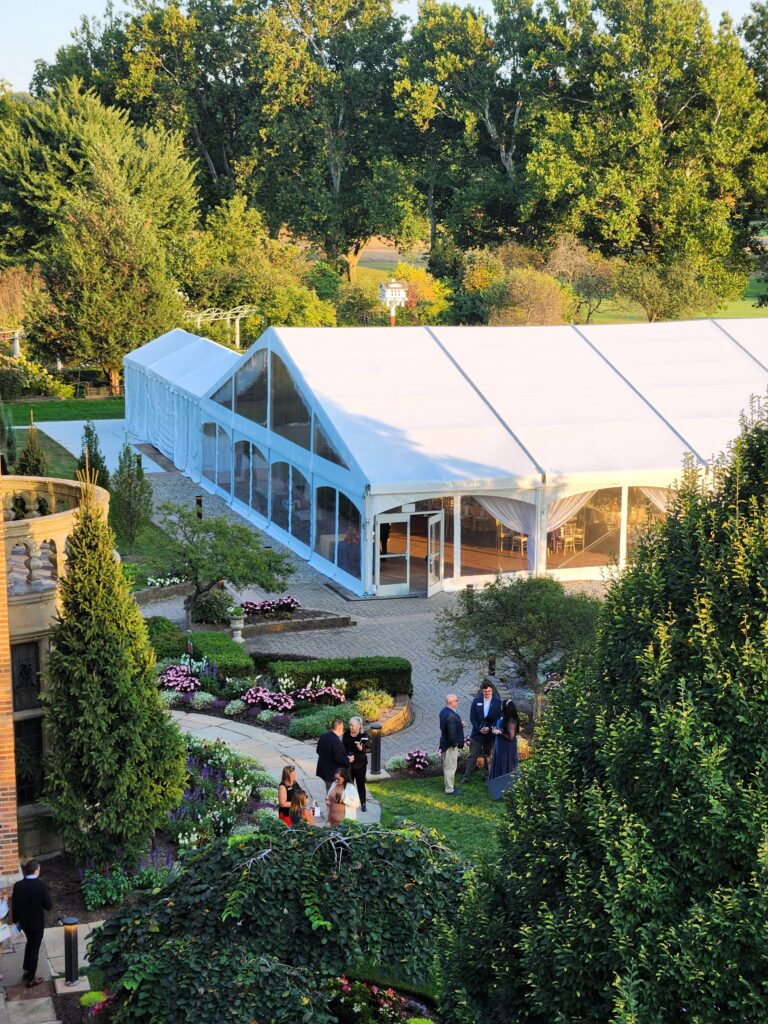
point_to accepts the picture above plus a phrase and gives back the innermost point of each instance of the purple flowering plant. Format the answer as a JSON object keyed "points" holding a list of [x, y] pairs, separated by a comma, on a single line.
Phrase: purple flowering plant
{"points": [[417, 760], [279, 607], [322, 695], [269, 700], [180, 679]]}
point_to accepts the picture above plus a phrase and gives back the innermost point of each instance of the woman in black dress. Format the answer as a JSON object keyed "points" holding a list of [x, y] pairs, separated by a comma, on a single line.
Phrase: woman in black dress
{"points": [[357, 743], [285, 793]]}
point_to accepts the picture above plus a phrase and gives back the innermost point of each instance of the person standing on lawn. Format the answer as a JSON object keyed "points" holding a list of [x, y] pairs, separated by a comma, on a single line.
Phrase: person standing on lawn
{"points": [[29, 902], [331, 754], [357, 744], [451, 740], [483, 713]]}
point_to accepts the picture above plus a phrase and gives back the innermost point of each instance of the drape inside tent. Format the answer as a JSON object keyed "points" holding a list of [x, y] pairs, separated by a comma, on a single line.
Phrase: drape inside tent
{"points": [[521, 515], [136, 401], [560, 512], [659, 497]]}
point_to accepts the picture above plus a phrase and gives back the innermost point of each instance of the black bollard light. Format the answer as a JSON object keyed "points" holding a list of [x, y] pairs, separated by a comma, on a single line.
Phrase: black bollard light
{"points": [[470, 597], [375, 730], [492, 665], [199, 505], [71, 968], [138, 460]]}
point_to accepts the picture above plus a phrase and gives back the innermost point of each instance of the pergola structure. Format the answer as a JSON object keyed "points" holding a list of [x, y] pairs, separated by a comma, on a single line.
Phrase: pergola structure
{"points": [[416, 459]]}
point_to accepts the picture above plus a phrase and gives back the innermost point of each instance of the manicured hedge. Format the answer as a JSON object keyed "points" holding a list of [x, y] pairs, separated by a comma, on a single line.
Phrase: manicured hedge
{"points": [[221, 650], [165, 637], [390, 674]]}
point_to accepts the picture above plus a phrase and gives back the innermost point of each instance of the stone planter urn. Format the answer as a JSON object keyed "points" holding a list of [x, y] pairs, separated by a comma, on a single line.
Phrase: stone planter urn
{"points": [[236, 623]]}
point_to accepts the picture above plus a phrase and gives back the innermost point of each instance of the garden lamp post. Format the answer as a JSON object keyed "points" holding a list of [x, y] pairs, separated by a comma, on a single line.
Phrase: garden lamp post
{"points": [[71, 968], [375, 730]]}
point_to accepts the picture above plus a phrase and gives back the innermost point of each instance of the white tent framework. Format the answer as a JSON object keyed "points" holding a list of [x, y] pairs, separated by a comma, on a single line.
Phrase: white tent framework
{"points": [[415, 459]]}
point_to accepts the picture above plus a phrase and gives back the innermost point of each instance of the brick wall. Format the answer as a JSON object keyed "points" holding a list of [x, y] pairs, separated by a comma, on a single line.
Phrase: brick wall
{"points": [[9, 840]]}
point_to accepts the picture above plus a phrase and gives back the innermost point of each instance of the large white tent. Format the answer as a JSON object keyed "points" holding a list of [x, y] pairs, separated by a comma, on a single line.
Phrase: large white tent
{"points": [[406, 460]]}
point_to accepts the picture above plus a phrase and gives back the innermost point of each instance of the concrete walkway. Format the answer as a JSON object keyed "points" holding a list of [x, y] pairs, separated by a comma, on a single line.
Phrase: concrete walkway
{"points": [[112, 437], [35, 1006], [274, 752]]}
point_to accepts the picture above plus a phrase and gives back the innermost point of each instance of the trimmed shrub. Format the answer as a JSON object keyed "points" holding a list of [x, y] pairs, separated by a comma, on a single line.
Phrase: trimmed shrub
{"points": [[213, 607], [235, 708], [221, 650], [202, 700], [390, 674], [166, 638]]}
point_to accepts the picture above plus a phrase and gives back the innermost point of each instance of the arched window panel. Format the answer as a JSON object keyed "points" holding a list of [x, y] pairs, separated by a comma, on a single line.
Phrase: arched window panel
{"points": [[259, 482], [251, 388], [223, 461], [323, 447], [224, 394], [325, 523], [301, 506], [348, 552], [290, 417], [241, 465], [280, 479], [209, 451]]}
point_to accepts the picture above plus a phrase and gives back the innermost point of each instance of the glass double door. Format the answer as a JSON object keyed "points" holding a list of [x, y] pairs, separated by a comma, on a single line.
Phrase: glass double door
{"points": [[410, 554]]}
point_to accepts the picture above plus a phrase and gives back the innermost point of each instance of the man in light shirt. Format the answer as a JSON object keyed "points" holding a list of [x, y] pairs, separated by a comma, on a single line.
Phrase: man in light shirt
{"points": [[451, 740]]}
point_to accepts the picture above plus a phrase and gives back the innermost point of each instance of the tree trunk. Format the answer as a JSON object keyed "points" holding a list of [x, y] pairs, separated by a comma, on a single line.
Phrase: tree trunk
{"points": [[431, 210], [352, 258], [114, 381]]}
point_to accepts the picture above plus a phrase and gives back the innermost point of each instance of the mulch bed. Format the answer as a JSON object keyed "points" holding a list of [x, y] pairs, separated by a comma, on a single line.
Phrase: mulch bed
{"points": [[61, 876], [69, 1010]]}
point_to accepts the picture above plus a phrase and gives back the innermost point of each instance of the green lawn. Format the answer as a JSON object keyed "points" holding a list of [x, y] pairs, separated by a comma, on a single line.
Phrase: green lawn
{"points": [[61, 463], [49, 410], [468, 821], [148, 549]]}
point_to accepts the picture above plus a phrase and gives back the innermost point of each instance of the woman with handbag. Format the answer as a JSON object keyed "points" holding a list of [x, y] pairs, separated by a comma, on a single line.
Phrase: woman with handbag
{"points": [[357, 744], [342, 798]]}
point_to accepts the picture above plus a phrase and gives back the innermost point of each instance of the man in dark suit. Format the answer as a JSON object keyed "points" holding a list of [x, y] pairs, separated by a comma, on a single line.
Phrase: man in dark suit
{"points": [[483, 712], [29, 902], [331, 754], [451, 741]]}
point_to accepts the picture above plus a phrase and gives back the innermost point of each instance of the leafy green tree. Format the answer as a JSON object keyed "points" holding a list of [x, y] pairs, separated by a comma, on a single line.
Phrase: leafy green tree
{"points": [[660, 160], [754, 28], [666, 293], [206, 551], [130, 506], [69, 143], [359, 305], [233, 261], [592, 277], [636, 834], [323, 279], [531, 623], [91, 459], [32, 460], [533, 297], [297, 306], [116, 763], [281, 913], [108, 288]]}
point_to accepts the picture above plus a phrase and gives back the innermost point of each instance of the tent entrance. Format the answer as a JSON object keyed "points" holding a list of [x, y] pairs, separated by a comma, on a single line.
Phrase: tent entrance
{"points": [[409, 554]]}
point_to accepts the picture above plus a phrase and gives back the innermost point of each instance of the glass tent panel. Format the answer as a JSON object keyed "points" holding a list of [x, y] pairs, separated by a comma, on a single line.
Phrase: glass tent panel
{"points": [[290, 416], [323, 447], [224, 394], [251, 388]]}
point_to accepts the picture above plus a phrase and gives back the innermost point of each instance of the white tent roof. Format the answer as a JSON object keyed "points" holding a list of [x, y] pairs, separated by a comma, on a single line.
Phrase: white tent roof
{"points": [[495, 407], [186, 361], [405, 413]]}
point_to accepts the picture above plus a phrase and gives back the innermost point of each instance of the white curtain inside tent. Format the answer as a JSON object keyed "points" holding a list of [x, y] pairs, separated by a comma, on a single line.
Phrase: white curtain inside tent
{"points": [[521, 515], [659, 497]]}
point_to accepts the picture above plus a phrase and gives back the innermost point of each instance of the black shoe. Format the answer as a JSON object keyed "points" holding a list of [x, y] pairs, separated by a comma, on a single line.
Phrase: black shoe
{"points": [[363, 808]]}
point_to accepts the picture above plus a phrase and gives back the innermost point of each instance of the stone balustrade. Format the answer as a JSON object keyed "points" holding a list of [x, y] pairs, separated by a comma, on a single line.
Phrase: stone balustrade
{"points": [[39, 515]]}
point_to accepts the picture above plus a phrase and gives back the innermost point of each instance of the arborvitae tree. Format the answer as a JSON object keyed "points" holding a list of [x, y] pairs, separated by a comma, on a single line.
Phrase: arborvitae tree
{"points": [[130, 507], [32, 460], [630, 886], [9, 437], [91, 458], [115, 764]]}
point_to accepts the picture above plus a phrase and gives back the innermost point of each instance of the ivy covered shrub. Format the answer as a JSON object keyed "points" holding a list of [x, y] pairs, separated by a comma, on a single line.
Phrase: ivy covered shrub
{"points": [[259, 921], [635, 838]]}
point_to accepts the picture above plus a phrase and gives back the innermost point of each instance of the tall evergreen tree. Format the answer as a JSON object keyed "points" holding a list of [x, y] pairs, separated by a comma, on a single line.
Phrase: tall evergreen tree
{"points": [[32, 460], [130, 506], [91, 459], [630, 882], [116, 763]]}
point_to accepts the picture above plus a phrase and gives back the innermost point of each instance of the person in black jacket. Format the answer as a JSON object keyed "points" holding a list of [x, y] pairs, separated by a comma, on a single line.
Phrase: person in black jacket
{"points": [[357, 743], [451, 740], [29, 902], [331, 754], [483, 713]]}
